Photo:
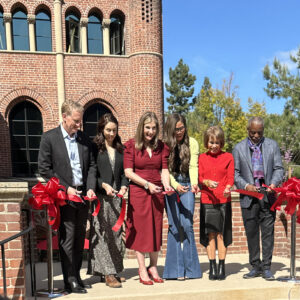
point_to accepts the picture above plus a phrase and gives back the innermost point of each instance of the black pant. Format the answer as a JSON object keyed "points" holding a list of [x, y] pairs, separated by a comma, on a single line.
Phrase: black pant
{"points": [[71, 240], [258, 217]]}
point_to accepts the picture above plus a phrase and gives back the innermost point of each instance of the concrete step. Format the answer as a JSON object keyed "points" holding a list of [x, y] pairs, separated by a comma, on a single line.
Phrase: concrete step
{"points": [[234, 287]]}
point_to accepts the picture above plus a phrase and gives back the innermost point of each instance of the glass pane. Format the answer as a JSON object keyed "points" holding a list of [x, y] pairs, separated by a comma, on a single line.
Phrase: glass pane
{"points": [[21, 43], [18, 112], [19, 155], [32, 112], [33, 155], [94, 19], [42, 16], [2, 33], [34, 169], [43, 28], [18, 142], [90, 115], [34, 128], [72, 17], [43, 44], [95, 46], [18, 127], [20, 27], [19, 14], [94, 31], [90, 129], [34, 142], [20, 169]]}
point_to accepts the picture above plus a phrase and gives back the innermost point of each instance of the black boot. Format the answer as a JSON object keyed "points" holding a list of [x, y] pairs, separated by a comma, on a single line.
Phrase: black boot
{"points": [[221, 269], [213, 270]]}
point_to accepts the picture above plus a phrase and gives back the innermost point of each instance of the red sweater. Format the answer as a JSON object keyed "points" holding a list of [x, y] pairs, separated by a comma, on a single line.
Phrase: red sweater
{"points": [[217, 167]]}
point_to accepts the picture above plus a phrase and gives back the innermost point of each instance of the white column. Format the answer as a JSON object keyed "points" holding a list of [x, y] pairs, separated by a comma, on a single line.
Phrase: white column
{"points": [[31, 22], [7, 21], [106, 41], [59, 54], [83, 35]]}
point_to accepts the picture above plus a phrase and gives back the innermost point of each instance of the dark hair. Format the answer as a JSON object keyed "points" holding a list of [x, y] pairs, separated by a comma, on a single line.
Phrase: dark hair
{"points": [[99, 139], [146, 118], [216, 132], [183, 147]]}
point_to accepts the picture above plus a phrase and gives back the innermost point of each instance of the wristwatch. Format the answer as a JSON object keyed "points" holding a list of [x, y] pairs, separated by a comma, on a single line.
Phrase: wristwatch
{"points": [[146, 185]]}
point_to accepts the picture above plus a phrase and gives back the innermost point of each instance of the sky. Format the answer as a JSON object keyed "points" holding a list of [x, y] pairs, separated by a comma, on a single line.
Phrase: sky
{"points": [[218, 37]]}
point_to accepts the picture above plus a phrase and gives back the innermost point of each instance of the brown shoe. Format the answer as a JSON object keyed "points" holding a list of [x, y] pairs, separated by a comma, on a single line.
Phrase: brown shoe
{"points": [[120, 279], [111, 281]]}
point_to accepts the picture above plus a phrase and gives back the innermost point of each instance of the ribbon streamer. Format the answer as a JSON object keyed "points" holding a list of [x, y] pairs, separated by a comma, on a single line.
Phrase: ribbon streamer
{"points": [[121, 218], [290, 191]]}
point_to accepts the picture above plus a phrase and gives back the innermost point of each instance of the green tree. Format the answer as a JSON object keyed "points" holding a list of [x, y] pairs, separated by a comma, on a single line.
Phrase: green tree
{"points": [[181, 89], [256, 109], [218, 107]]}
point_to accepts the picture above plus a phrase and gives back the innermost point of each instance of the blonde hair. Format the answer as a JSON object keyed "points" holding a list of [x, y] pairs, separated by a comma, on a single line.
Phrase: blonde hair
{"points": [[146, 118], [216, 132], [68, 106]]}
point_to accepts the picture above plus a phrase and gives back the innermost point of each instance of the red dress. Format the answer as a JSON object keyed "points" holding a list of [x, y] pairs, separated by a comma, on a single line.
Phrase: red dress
{"points": [[145, 210], [217, 167]]}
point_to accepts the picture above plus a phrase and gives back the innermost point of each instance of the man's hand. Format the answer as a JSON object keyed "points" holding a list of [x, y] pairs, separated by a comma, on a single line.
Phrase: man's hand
{"points": [[251, 188], [90, 194], [72, 191]]}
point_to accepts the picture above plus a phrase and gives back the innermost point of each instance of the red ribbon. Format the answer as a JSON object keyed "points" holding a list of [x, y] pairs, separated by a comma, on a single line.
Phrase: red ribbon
{"points": [[54, 195], [290, 191], [121, 218]]}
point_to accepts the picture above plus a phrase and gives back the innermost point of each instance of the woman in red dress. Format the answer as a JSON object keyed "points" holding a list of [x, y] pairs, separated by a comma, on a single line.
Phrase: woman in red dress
{"points": [[146, 165], [216, 175]]}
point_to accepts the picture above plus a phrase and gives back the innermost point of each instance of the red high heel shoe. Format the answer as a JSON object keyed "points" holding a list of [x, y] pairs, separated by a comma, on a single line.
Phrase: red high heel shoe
{"points": [[157, 280], [145, 282]]}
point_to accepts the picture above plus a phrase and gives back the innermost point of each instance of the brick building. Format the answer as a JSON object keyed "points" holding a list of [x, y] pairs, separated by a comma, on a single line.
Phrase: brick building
{"points": [[105, 54]]}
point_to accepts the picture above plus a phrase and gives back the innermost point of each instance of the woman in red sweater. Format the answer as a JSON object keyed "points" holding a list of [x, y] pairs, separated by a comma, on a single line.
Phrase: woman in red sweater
{"points": [[216, 176]]}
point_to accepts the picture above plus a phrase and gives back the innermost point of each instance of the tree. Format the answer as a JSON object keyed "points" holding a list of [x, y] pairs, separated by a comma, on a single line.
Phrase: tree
{"points": [[181, 89], [218, 107], [256, 109], [282, 83]]}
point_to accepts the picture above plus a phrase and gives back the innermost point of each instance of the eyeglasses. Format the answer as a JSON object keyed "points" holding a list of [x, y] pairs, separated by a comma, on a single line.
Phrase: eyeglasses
{"points": [[179, 129]]}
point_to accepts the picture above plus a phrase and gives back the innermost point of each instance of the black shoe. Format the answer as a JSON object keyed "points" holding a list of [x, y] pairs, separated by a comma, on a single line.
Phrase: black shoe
{"points": [[252, 274], [221, 269], [267, 274], [213, 275], [74, 287], [83, 285]]}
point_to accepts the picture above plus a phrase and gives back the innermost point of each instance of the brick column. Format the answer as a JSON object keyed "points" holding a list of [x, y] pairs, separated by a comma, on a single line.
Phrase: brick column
{"points": [[12, 193]]}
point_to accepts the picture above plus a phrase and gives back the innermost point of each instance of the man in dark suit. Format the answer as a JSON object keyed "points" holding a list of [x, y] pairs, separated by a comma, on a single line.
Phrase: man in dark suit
{"points": [[66, 153], [257, 160]]}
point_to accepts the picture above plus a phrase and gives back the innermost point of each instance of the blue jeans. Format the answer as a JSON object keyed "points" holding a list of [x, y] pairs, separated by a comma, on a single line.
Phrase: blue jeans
{"points": [[182, 257]]}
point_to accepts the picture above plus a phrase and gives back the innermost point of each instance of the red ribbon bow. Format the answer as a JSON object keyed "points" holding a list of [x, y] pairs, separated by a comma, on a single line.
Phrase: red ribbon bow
{"points": [[290, 191], [121, 218], [54, 195]]}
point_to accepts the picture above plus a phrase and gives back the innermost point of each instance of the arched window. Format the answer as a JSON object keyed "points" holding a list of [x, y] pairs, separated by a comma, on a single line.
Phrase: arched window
{"points": [[91, 117], [26, 128], [116, 34], [2, 33], [20, 31], [72, 33], [95, 39], [43, 31]]}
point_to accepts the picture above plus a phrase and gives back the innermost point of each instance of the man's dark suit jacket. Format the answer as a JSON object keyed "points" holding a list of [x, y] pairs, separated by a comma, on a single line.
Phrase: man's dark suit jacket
{"points": [[105, 173], [54, 159]]}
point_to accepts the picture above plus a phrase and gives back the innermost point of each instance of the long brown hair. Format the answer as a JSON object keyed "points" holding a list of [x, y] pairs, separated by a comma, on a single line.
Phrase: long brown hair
{"points": [[146, 118], [183, 146], [99, 139]]}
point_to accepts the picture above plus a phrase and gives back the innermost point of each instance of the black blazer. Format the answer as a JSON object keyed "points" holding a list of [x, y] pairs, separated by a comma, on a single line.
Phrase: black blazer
{"points": [[54, 160], [105, 173]]}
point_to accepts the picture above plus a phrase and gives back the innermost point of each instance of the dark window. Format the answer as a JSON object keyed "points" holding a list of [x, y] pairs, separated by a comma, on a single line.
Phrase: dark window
{"points": [[20, 31], [43, 32], [116, 35], [2, 33], [91, 117], [26, 128], [73, 34], [95, 39]]}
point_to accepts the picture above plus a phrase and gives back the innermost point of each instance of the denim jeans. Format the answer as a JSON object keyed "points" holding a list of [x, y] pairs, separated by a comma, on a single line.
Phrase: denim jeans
{"points": [[182, 257]]}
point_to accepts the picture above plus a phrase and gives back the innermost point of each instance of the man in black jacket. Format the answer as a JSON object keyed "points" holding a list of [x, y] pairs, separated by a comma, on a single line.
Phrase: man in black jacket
{"points": [[66, 153]]}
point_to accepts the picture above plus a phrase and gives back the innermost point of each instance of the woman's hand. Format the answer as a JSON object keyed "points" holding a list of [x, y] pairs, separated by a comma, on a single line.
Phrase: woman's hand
{"points": [[227, 191], [210, 183], [153, 189], [169, 190], [123, 190], [109, 190], [182, 189], [195, 189]]}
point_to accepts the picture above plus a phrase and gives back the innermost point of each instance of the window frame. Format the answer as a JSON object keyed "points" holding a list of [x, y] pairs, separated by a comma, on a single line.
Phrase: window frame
{"points": [[73, 19], [49, 21], [14, 36]]}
